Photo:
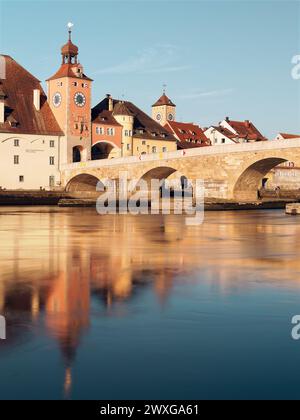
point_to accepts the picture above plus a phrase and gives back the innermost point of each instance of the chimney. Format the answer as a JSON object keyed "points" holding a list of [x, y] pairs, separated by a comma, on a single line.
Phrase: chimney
{"points": [[227, 119], [247, 123], [110, 102], [37, 99]]}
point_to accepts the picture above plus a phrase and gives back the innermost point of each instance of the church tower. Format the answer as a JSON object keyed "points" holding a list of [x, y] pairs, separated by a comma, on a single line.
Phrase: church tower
{"points": [[69, 96], [163, 110]]}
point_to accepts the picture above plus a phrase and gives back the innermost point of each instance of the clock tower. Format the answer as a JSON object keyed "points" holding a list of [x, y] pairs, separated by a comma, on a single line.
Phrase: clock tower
{"points": [[163, 110], [69, 96]]}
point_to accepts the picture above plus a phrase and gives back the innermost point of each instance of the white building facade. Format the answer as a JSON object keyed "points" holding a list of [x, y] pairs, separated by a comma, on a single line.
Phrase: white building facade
{"points": [[29, 162], [30, 138]]}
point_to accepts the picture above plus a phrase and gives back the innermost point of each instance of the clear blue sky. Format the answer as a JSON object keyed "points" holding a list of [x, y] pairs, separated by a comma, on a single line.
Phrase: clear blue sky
{"points": [[218, 58]]}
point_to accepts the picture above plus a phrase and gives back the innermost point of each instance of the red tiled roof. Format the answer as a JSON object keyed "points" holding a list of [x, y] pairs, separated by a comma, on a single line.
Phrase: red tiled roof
{"points": [[18, 87], [143, 125], [227, 133], [65, 70], [246, 130], [290, 136], [164, 100], [186, 145], [188, 133], [105, 117]]}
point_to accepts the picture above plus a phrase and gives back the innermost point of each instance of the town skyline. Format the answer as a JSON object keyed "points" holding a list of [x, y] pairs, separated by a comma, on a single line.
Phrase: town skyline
{"points": [[140, 68]]}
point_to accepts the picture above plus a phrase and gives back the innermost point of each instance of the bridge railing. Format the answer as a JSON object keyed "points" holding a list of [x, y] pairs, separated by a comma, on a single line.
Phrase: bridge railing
{"points": [[199, 151]]}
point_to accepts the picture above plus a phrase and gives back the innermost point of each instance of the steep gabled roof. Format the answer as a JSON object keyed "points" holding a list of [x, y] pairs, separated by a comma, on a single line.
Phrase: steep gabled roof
{"points": [[188, 133], [290, 136], [105, 117], [18, 87], [143, 125], [246, 129], [227, 133]]}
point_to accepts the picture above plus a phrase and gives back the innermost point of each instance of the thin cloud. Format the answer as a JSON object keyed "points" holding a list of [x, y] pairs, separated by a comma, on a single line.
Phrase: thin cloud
{"points": [[209, 94], [159, 59]]}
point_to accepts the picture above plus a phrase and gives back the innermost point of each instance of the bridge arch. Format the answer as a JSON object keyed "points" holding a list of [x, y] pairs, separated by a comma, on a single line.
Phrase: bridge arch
{"points": [[158, 172], [164, 173], [82, 183], [248, 183]]}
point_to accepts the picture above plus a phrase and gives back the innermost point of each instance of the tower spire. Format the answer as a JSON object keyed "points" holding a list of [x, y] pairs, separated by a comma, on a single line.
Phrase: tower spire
{"points": [[69, 51], [70, 26]]}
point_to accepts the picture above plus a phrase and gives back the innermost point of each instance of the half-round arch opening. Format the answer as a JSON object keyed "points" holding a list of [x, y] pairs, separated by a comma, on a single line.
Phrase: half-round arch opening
{"points": [[250, 181], [83, 183], [77, 153], [103, 150], [161, 174]]}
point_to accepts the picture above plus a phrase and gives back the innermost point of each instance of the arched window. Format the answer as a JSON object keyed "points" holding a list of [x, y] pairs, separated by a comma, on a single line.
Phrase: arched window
{"points": [[76, 154]]}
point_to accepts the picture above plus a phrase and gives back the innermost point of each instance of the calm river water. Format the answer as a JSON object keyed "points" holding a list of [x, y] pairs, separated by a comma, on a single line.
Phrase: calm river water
{"points": [[145, 307]]}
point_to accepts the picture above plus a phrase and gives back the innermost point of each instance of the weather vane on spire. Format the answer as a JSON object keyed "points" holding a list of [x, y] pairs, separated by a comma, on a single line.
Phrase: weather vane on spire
{"points": [[164, 88], [70, 26]]}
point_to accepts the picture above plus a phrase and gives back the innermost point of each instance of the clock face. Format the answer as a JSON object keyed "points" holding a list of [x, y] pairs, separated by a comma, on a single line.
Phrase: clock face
{"points": [[79, 99], [56, 99], [158, 117], [170, 117]]}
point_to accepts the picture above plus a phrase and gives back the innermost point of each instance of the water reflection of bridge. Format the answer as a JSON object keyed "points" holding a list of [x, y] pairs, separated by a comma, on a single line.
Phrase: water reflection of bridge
{"points": [[54, 264]]}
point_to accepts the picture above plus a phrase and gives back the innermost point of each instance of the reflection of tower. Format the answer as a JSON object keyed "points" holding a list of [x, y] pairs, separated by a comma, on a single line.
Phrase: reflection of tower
{"points": [[111, 277], [1, 296], [67, 309], [162, 284], [35, 302]]}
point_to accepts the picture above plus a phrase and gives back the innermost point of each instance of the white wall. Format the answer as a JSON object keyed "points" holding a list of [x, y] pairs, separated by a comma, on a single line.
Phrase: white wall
{"points": [[216, 137], [279, 137], [34, 161], [225, 124]]}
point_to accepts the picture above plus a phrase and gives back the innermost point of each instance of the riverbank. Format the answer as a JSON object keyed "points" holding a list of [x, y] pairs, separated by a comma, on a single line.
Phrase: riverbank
{"points": [[64, 199], [212, 205], [31, 198]]}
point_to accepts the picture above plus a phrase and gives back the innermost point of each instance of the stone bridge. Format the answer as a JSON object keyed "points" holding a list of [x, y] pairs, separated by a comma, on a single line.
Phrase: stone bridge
{"points": [[230, 172]]}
